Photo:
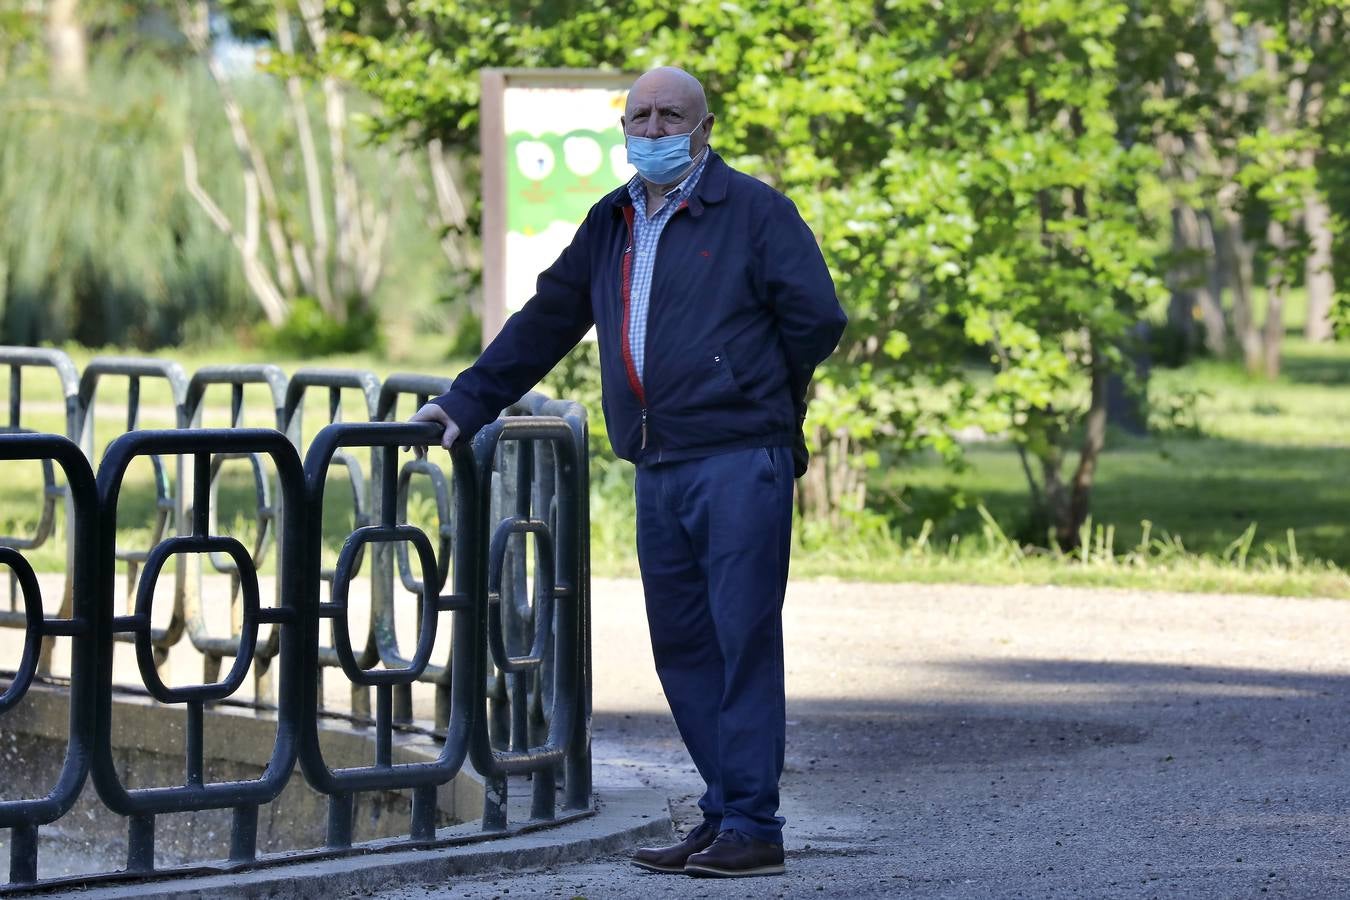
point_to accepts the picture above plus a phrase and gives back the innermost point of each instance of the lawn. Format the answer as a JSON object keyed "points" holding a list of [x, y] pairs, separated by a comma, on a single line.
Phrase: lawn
{"points": [[1270, 456], [1273, 454]]}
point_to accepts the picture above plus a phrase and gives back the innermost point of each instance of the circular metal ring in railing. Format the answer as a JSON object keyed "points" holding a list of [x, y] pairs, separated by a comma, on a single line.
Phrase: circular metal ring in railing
{"points": [[139, 624], [445, 523], [336, 609], [544, 593], [32, 638]]}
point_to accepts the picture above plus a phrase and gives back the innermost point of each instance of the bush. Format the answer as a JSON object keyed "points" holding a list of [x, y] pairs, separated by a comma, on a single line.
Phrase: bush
{"points": [[310, 331]]}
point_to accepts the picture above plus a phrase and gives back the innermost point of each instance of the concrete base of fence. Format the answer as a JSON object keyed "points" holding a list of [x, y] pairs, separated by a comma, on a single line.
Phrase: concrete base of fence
{"points": [[149, 745], [624, 817], [149, 741]]}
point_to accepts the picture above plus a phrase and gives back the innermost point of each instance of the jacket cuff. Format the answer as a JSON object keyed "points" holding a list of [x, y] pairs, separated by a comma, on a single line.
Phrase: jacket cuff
{"points": [[463, 412]]}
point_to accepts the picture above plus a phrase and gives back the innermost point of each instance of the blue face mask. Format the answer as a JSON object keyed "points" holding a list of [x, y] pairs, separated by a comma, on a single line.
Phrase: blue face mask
{"points": [[661, 160]]}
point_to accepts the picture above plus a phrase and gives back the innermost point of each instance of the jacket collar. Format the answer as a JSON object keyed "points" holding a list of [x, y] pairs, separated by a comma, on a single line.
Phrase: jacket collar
{"points": [[711, 187]]}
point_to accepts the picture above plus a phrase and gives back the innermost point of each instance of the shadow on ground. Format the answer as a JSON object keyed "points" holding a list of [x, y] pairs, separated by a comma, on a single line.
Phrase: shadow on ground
{"points": [[1009, 710]]}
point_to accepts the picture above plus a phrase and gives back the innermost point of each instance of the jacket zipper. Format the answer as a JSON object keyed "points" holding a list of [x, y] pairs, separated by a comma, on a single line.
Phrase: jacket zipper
{"points": [[627, 295]]}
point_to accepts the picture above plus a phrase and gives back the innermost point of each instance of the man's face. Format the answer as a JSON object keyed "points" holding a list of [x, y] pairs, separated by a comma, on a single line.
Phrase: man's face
{"points": [[661, 106]]}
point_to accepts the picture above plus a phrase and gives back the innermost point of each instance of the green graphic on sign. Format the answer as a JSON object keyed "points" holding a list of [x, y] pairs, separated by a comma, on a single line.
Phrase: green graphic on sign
{"points": [[558, 177]]}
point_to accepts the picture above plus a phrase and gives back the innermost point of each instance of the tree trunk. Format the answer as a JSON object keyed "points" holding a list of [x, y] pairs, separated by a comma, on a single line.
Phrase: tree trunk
{"points": [[1056, 498], [313, 267], [1094, 440], [67, 46], [1240, 253], [1210, 297], [1277, 237], [1181, 309], [834, 484], [1317, 274]]}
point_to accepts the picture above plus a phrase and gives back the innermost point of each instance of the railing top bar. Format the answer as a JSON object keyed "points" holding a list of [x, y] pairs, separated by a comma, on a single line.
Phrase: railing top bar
{"points": [[247, 373], [409, 383], [323, 376], [412, 382], [358, 379], [536, 427], [36, 356], [51, 446], [169, 441], [133, 366], [529, 405], [369, 434], [563, 409]]}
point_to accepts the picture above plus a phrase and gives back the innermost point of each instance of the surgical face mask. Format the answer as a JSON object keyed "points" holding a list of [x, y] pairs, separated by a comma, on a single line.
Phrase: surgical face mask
{"points": [[661, 160]]}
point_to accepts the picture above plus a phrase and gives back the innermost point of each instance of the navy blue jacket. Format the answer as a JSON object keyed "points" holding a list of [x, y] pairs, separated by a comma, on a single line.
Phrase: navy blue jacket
{"points": [[742, 310]]}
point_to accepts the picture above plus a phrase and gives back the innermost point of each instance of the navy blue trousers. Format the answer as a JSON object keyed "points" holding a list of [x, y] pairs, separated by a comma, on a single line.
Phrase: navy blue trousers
{"points": [[713, 539]]}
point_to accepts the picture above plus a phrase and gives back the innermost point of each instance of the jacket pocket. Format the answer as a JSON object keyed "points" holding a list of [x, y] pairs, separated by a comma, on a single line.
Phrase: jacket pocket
{"points": [[724, 377]]}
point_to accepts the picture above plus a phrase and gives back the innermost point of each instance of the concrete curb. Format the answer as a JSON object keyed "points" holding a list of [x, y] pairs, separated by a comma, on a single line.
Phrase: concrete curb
{"points": [[625, 817]]}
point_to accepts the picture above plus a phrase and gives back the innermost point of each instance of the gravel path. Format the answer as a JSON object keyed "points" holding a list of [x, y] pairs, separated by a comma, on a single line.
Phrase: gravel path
{"points": [[951, 741]]}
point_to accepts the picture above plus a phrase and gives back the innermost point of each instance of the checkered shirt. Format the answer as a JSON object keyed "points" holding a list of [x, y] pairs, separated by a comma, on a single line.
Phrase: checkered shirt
{"points": [[646, 234]]}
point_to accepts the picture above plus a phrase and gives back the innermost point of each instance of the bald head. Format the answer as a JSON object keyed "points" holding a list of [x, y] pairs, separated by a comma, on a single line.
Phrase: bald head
{"points": [[671, 84], [668, 101]]}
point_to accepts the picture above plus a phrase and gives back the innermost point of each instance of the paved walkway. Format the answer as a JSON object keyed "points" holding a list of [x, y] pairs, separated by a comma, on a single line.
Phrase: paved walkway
{"points": [[949, 741]]}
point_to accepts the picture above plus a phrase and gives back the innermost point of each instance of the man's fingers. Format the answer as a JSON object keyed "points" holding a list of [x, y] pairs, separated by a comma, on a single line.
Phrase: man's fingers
{"points": [[430, 412]]}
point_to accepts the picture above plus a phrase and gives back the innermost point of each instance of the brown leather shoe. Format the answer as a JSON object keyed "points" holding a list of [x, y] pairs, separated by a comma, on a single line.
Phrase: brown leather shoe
{"points": [[736, 855], [671, 859]]}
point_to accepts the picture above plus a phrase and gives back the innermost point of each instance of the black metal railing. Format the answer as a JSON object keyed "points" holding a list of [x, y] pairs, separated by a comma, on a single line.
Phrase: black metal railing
{"points": [[80, 626], [512, 691]]}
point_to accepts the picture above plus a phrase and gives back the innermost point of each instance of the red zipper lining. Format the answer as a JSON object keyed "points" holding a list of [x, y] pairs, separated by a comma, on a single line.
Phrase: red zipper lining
{"points": [[633, 381], [627, 293]]}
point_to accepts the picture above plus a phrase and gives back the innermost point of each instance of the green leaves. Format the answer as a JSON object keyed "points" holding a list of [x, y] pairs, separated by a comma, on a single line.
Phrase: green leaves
{"points": [[973, 169]]}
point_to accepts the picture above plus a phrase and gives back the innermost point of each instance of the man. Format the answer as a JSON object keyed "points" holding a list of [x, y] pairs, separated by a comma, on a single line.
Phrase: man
{"points": [[713, 306]]}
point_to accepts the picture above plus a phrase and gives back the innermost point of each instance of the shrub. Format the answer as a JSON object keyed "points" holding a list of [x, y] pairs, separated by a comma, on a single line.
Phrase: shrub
{"points": [[309, 331]]}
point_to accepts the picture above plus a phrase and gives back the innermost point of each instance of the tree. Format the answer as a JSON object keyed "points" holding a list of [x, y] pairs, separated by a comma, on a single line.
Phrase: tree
{"points": [[1233, 93], [67, 45], [983, 177], [338, 260]]}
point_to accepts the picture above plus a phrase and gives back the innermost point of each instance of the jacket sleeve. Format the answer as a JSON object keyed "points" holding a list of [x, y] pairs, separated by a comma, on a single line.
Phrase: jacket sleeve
{"points": [[800, 292], [529, 345]]}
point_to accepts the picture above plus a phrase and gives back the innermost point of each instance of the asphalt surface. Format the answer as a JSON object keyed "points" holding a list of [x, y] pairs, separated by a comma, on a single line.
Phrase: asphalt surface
{"points": [[950, 741]]}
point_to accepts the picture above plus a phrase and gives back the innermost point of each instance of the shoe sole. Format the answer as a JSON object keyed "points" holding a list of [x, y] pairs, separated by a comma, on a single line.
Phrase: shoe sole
{"points": [[712, 872], [653, 867]]}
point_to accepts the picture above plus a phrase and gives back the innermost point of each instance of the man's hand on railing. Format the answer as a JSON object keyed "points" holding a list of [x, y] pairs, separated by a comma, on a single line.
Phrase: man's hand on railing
{"points": [[433, 413]]}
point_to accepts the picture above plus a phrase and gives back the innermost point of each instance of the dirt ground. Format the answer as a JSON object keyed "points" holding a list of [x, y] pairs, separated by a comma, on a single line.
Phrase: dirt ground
{"points": [[951, 741]]}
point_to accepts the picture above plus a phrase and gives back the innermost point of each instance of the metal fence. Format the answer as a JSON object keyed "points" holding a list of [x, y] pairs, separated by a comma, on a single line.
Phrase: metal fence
{"points": [[512, 693]]}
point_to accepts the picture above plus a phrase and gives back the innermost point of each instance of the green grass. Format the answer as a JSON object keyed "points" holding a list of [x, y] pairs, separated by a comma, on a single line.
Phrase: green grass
{"points": [[1273, 456]]}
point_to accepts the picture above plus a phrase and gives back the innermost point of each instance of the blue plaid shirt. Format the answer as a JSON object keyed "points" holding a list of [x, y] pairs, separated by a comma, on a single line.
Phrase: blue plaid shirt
{"points": [[646, 234]]}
